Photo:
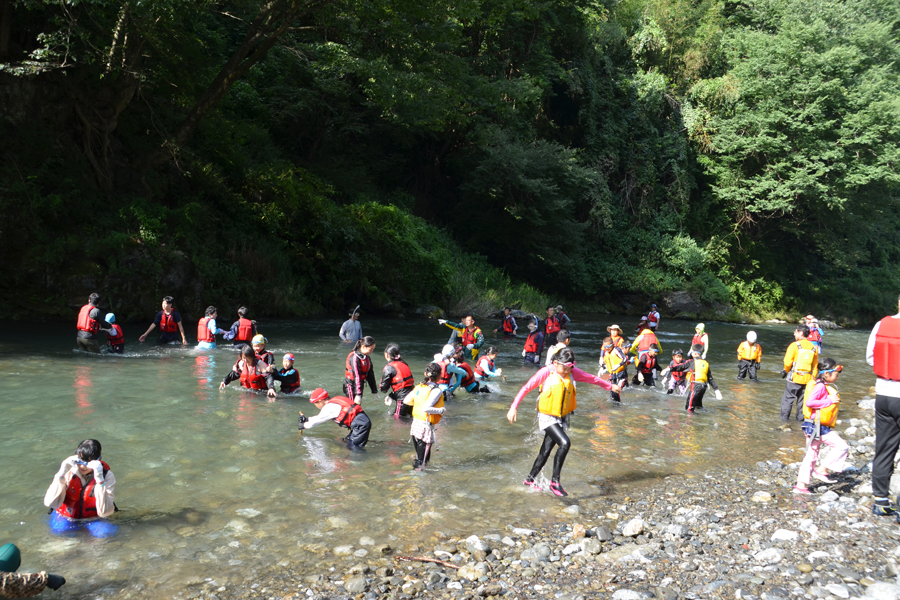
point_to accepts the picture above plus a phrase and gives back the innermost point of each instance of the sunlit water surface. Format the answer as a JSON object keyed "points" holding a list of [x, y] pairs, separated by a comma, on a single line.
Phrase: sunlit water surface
{"points": [[190, 459]]}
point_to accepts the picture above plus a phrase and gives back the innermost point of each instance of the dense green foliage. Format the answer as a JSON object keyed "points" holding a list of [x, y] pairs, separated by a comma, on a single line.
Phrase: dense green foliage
{"points": [[308, 155]]}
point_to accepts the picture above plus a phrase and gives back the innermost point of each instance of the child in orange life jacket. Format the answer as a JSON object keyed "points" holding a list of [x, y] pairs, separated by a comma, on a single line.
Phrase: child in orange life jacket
{"points": [[508, 325], [288, 376], [749, 355], [699, 376], [556, 403], [820, 407], [614, 361], [358, 370], [169, 323], [342, 411], [252, 373], [646, 365], [83, 488], [428, 406], [115, 339], [677, 380], [397, 381], [208, 329]]}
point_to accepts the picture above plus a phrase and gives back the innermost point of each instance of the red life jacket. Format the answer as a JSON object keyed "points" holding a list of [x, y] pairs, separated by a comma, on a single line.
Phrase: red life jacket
{"points": [[290, 386], [264, 357], [245, 330], [348, 410], [698, 339], [365, 365], [203, 332], [508, 324], [887, 349], [167, 322], [647, 340], [653, 317], [531, 345], [814, 335], [479, 370], [85, 322], [678, 376], [551, 325], [403, 377], [469, 337], [80, 502], [115, 337], [252, 380], [445, 375], [469, 377], [648, 364]]}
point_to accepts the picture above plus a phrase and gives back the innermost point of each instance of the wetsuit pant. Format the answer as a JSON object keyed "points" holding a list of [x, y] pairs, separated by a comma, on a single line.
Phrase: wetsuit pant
{"points": [[695, 396], [887, 440], [88, 344], [168, 337], [532, 359], [745, 366], [359, 431], [400, 409], [348, 389], [423, 455], [648, 379], [792, 392], [115, 348], [554, 435], [620, 379], [550, 339]]}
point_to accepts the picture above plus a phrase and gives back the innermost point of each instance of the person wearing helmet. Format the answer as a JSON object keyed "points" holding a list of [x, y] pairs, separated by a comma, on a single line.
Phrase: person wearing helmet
{"points": [[534, 344], [169, 323], [23, 585], [653, 318], [288, 376], [815, 332], [344, 412], [700, 338], [259, 342], [445, 360], [115, 339], [749, 355]]}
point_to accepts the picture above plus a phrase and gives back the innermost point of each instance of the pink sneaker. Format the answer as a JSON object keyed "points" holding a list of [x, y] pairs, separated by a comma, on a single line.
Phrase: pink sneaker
{"points": [[531, 483], [802, 491], [557, 489], [822, 477]]}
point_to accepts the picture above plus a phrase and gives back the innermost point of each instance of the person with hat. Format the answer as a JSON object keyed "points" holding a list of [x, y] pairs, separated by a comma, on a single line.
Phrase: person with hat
{"points": [[23, 585], [344, 412], [564, 319], [615, 336], [259, 342], [749, 355], [815, 332], [115, 339], [288, 376], [169, 323], [643, 324], [653, 318], [701, 338], [351, 330]]}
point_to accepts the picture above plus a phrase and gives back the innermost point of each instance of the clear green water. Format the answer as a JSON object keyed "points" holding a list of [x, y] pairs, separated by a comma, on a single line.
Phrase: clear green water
{"points": [[188, 458]]}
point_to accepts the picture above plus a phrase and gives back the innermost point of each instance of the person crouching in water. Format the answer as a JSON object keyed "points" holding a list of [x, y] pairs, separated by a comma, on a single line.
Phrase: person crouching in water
{"points": [[253, 374], [428, 406], [358, 370], [484, 367], [468, 382], [556, 403], [700, 377], [820, 407], [288, 376], [749, 355], [344, 412], [677, 379], [397, 381], [614, 361], [83, 488], [115, 337], [646, 365]]}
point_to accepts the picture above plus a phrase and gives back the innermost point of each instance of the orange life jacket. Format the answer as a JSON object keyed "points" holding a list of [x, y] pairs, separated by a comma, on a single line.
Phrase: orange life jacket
{"points": [[887, 350], [349, 410], [252, 379], [403, 377], [80, 502], [85, 322], [203, 332]]}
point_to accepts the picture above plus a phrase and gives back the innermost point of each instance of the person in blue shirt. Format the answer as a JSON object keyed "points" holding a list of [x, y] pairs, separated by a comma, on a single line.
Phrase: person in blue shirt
{"points": [[288, 375], [207, 330]]}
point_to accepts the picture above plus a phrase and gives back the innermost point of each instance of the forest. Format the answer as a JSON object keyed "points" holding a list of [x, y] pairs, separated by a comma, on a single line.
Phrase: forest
{"points": [[303, 156]]}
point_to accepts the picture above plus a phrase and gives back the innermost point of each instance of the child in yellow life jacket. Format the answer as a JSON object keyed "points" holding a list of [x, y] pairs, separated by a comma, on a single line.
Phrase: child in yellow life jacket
{"points": [[699, 375], [749, 355], [614, 362], [556, 402], [428, 406], [820, 408]]}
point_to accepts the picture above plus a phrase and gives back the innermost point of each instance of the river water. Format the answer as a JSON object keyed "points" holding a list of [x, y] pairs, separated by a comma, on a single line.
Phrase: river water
{"points": [[191, 460]]}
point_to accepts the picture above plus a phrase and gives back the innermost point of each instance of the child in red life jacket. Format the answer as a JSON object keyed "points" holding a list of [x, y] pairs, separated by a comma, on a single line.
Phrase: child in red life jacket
{"points": [[253, 374], [83, 488], [115, 339], [677, 380], [397, 381], [342, 411], [288, 375], [646, 365], [169, 323]]}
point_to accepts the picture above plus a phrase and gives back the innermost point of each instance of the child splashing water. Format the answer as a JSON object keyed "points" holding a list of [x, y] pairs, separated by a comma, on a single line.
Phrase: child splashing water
{"points": [[820, 408]]}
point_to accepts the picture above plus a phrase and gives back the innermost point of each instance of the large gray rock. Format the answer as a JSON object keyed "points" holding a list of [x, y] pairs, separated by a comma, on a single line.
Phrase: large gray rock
{"points": [[355, 585], [474, 544], [681, 303], [538, 552]]}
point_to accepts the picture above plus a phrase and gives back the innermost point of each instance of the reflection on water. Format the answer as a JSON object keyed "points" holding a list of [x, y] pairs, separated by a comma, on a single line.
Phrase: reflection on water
{"points": [[216, 484]]}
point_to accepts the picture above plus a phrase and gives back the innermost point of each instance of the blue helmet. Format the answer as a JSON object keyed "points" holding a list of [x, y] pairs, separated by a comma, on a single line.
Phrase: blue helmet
{"points": [[110, 318]]}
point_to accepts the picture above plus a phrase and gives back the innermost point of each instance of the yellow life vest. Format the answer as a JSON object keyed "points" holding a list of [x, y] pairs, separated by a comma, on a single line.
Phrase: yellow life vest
{"points": [[805, 361], [827, 415], [700, 372], [557, 397], [746, 351], [615, 362], [419, 397]]}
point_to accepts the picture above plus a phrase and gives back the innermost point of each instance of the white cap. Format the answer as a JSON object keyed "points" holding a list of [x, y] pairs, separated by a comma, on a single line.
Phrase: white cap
{"points": [[448, 350], [751, 337]]}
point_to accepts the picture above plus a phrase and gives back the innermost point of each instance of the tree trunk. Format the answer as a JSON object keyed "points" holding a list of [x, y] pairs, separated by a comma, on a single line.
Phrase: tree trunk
{"points": [[5, 27]]}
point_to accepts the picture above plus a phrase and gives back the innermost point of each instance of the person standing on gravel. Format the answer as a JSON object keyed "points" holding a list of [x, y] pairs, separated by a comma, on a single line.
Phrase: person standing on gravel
{"points": [[883, 355]]}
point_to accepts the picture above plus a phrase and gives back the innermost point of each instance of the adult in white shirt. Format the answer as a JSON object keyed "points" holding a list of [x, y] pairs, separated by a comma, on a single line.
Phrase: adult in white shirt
{"points": [[82, 491], [351, 330], [653, 318]]}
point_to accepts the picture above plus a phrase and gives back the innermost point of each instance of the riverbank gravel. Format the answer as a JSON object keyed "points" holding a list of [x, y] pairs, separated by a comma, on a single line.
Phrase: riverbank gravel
{"points": [[739, 533]]}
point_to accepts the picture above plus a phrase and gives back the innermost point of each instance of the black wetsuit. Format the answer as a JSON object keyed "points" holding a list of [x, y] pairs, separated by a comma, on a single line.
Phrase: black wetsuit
{"points": [[646, 365], [289, 379], [399, 409]]}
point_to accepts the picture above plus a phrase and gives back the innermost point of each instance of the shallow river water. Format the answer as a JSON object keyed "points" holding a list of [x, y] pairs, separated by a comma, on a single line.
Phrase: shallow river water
{"points": [[218, 484]]}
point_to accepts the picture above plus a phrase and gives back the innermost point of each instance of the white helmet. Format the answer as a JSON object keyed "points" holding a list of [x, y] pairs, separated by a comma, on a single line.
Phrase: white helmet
{"points": [[448, 350], [751, 337]]}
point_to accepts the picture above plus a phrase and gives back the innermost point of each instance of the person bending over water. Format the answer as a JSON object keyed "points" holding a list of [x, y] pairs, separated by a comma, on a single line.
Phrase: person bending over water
{"points": [[83, 491], [428, 406], [398, 378], [358, 370], [253, 374], [556, 403], [342, 411], [468, 382], [484, 368]]}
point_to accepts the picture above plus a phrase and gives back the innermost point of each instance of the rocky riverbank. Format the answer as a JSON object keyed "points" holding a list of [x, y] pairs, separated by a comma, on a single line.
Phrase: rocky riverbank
{"points": [[737, 533]]}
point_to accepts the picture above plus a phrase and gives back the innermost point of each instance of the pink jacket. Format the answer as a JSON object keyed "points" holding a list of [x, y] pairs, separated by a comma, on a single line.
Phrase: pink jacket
{"points": [[541, 375], [818, 397]]}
